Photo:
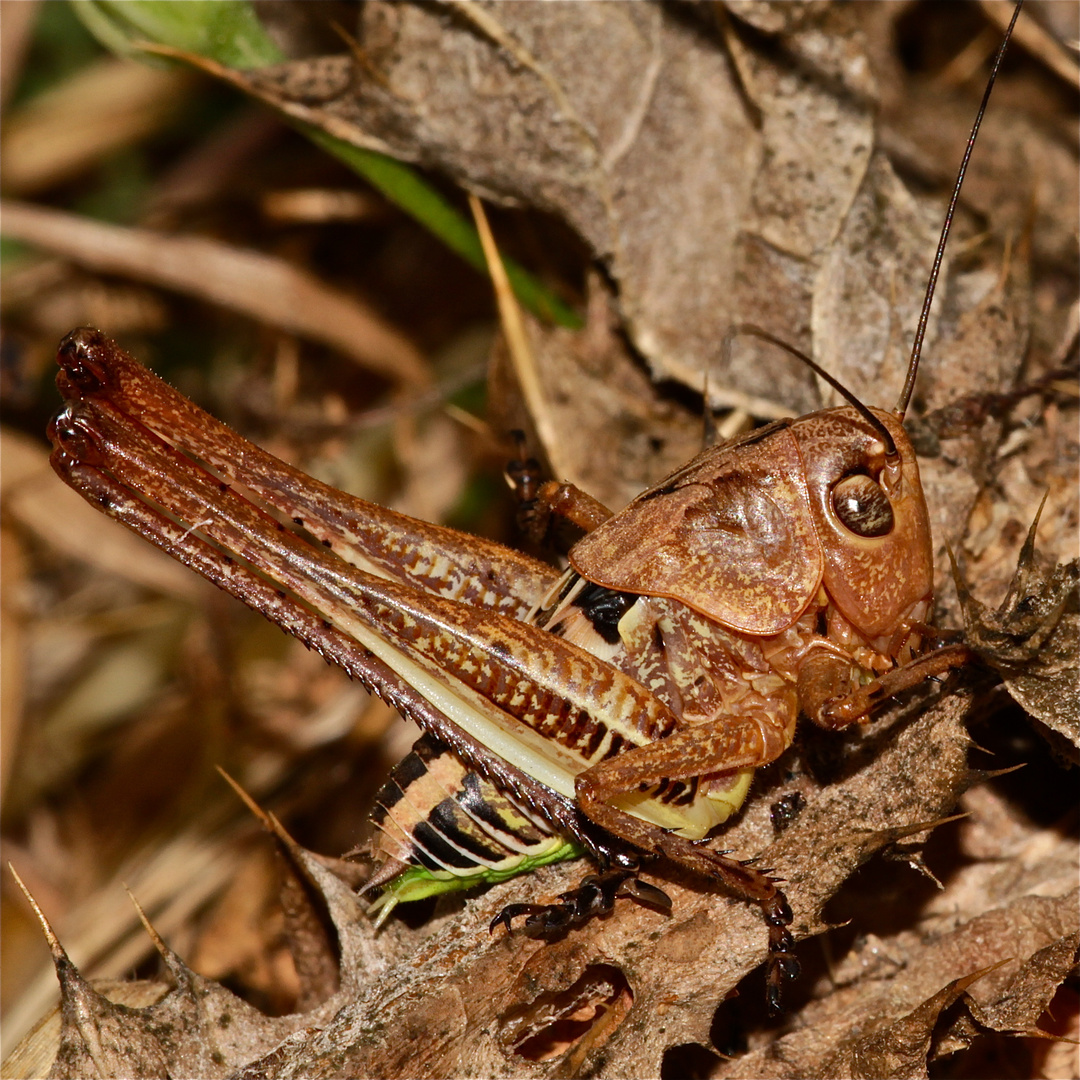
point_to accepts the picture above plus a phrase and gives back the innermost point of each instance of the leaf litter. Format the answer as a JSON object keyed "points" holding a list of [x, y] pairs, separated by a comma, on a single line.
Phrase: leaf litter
{"points": [[633, 113]]}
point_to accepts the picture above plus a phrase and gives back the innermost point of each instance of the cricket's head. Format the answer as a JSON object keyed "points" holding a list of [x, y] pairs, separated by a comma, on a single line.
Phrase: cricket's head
{"points": [[862, 479], [867, 509], [751, 532], [870, 515]]}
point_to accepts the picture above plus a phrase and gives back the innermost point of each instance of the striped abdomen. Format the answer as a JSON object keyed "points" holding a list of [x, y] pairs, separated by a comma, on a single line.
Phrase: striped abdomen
{"points": [[440, 827]]}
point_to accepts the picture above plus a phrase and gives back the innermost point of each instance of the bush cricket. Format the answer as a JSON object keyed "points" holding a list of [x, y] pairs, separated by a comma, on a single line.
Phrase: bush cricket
{"points": [[618, 708]]}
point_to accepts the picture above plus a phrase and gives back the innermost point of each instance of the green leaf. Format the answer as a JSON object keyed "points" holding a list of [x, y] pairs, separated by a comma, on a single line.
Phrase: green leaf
{"points": [[404, 187], [227, 31]]}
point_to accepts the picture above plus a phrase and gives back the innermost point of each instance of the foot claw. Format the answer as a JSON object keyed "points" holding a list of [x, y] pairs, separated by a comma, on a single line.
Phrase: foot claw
{"points": [[644, 893], [513, 911]]}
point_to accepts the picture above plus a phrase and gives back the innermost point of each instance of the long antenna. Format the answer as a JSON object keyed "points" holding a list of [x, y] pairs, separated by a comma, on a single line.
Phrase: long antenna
{"points": [[924, 316], [836, 384]]}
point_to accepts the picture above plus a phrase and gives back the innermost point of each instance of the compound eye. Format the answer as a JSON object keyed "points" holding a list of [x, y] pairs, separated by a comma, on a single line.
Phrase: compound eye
{"points": [[862, 506]]}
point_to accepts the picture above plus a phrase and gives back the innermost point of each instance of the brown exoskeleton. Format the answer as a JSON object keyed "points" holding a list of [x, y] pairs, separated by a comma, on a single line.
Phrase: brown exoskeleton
{"points": [[624, 704]]}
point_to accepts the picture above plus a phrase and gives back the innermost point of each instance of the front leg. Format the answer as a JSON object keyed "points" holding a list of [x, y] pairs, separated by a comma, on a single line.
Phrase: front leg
{"points": [[831, 694]]}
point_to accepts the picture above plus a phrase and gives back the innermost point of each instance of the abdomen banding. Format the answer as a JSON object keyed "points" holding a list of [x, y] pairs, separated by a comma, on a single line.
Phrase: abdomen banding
{"points": [[445, 828]]}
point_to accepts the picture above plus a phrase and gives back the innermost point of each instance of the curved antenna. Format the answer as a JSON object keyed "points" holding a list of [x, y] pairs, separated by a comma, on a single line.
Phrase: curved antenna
{"points": [[924, 315], [863, 411]]}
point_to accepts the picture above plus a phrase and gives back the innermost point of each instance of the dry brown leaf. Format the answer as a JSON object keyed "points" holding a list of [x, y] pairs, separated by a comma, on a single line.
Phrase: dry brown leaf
{"points": [[106, 105], [856, 1030], [35, 504], [1032, 640], [34, 1056], [624, 103], [614, 118]]}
